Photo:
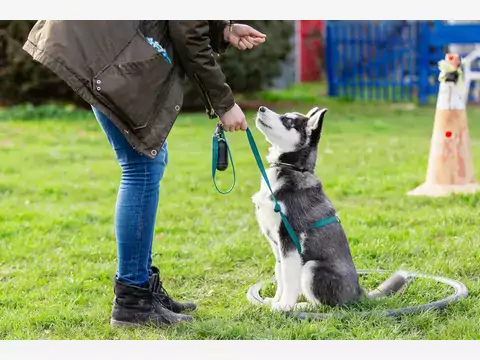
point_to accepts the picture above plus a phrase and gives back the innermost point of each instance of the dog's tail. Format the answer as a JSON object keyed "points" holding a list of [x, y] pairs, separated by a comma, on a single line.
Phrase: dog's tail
{"points": [[390, 286]]}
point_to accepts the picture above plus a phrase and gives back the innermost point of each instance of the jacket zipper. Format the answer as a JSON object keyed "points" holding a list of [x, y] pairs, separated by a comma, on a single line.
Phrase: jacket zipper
{"points": [[211, 111]]}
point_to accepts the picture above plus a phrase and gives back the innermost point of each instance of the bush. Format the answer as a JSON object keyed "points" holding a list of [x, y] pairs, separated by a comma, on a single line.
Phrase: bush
{"points": [[252, 70], [24, 80]]}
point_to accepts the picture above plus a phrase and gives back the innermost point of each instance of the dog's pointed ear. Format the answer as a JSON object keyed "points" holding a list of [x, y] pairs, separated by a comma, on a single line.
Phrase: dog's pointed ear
{"points": [[312, 112], [315, 120]]}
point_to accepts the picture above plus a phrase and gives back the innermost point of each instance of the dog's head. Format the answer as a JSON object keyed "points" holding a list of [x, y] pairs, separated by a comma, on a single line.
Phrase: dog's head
{"points": [[292, 133]]}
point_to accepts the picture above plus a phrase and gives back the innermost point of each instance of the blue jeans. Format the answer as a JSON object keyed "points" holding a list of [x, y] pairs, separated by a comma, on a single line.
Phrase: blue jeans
{"points": [[136, 206]]}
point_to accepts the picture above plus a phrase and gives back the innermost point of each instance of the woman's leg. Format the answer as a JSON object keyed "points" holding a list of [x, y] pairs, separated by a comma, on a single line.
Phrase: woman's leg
{"points": [[136, 302], [136, 206]]}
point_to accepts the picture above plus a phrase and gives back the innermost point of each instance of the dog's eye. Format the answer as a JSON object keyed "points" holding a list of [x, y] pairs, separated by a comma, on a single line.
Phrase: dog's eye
{"points": [[288, 122]]}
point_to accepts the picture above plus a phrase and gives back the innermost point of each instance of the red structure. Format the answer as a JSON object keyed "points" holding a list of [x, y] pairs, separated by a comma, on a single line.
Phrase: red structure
{"points": [[310, 50]]}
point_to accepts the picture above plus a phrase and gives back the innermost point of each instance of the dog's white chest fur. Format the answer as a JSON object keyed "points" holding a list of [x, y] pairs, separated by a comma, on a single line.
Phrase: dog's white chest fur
{"points": [[267, 218]]}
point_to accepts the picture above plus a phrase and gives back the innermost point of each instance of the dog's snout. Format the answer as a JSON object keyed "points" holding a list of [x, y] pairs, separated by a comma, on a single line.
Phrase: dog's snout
{"points": [[262, 109]]}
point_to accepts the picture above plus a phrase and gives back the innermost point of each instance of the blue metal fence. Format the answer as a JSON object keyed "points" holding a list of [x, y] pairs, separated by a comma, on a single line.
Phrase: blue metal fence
{"points": [[390, 60]]}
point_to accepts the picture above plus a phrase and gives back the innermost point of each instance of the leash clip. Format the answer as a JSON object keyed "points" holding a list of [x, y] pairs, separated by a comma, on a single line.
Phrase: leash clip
{"points": [[219, 132]]}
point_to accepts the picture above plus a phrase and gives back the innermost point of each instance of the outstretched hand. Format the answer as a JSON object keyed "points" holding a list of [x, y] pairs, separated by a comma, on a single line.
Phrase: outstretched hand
{"points": [[243, 36]]}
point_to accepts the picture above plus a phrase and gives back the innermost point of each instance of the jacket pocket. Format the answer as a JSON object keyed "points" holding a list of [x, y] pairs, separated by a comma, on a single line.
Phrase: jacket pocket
{"points": [[136, 83]]}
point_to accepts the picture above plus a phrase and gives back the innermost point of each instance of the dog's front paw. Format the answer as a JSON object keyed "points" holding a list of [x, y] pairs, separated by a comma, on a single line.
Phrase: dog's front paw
{"points": [[303, 306], [270, 301], [279, 306]]}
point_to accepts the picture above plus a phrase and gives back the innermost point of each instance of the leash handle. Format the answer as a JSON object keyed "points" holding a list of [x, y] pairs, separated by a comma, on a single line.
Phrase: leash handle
{"points": [[219, 132]]}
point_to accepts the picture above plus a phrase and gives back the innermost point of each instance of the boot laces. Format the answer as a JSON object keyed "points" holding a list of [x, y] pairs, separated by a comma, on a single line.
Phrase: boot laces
{"points": [[159, 292]]}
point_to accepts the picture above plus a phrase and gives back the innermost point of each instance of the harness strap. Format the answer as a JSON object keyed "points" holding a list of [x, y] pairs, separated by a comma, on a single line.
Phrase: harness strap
{"points": [[326, 221]]}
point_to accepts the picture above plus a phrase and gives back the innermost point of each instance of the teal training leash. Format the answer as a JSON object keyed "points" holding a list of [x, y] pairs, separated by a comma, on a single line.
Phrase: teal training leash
{"points": [[277, 208]]}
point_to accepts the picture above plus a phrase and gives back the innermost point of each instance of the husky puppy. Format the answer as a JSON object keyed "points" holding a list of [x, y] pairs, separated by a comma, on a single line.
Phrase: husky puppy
{"points": [[324, 272]]}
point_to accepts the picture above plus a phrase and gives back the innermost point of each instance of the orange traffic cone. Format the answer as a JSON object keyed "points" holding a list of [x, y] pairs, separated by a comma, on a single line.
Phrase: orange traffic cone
{"points": [[450, 164]]}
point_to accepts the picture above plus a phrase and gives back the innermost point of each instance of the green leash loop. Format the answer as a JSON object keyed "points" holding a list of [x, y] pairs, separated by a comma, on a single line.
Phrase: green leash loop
{"points": [[277, 208], [215, 141]]}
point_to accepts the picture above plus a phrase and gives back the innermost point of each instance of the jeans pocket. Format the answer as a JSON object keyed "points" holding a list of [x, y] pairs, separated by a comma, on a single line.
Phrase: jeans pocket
{"points": [[165, 148]]}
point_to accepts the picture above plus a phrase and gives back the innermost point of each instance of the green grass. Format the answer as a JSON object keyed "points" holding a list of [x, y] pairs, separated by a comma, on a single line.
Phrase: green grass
{"points": [[302, 93], [58, 184]]}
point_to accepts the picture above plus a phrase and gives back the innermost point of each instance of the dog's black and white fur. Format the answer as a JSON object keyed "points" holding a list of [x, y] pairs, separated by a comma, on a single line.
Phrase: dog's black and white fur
{"points": [[324, 272]]}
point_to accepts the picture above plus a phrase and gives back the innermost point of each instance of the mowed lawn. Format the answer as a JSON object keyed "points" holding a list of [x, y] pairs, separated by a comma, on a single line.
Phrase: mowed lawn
{"points": [[58, 185]]}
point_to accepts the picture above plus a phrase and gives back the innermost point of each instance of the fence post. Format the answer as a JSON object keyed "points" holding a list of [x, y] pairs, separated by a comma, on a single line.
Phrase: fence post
{"points": [[330, 60], [423, 45]]}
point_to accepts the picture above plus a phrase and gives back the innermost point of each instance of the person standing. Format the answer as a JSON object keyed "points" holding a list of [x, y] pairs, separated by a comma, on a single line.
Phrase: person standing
{"points": [[131, 72]]}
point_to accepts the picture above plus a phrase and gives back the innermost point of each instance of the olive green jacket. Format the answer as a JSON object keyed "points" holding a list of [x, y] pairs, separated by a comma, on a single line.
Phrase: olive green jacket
{"points": [[112, 66]]}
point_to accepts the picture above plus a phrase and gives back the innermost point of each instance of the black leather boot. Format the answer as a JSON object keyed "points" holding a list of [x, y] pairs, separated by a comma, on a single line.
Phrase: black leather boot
{"points": [[161, 294], [134, 306]]}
